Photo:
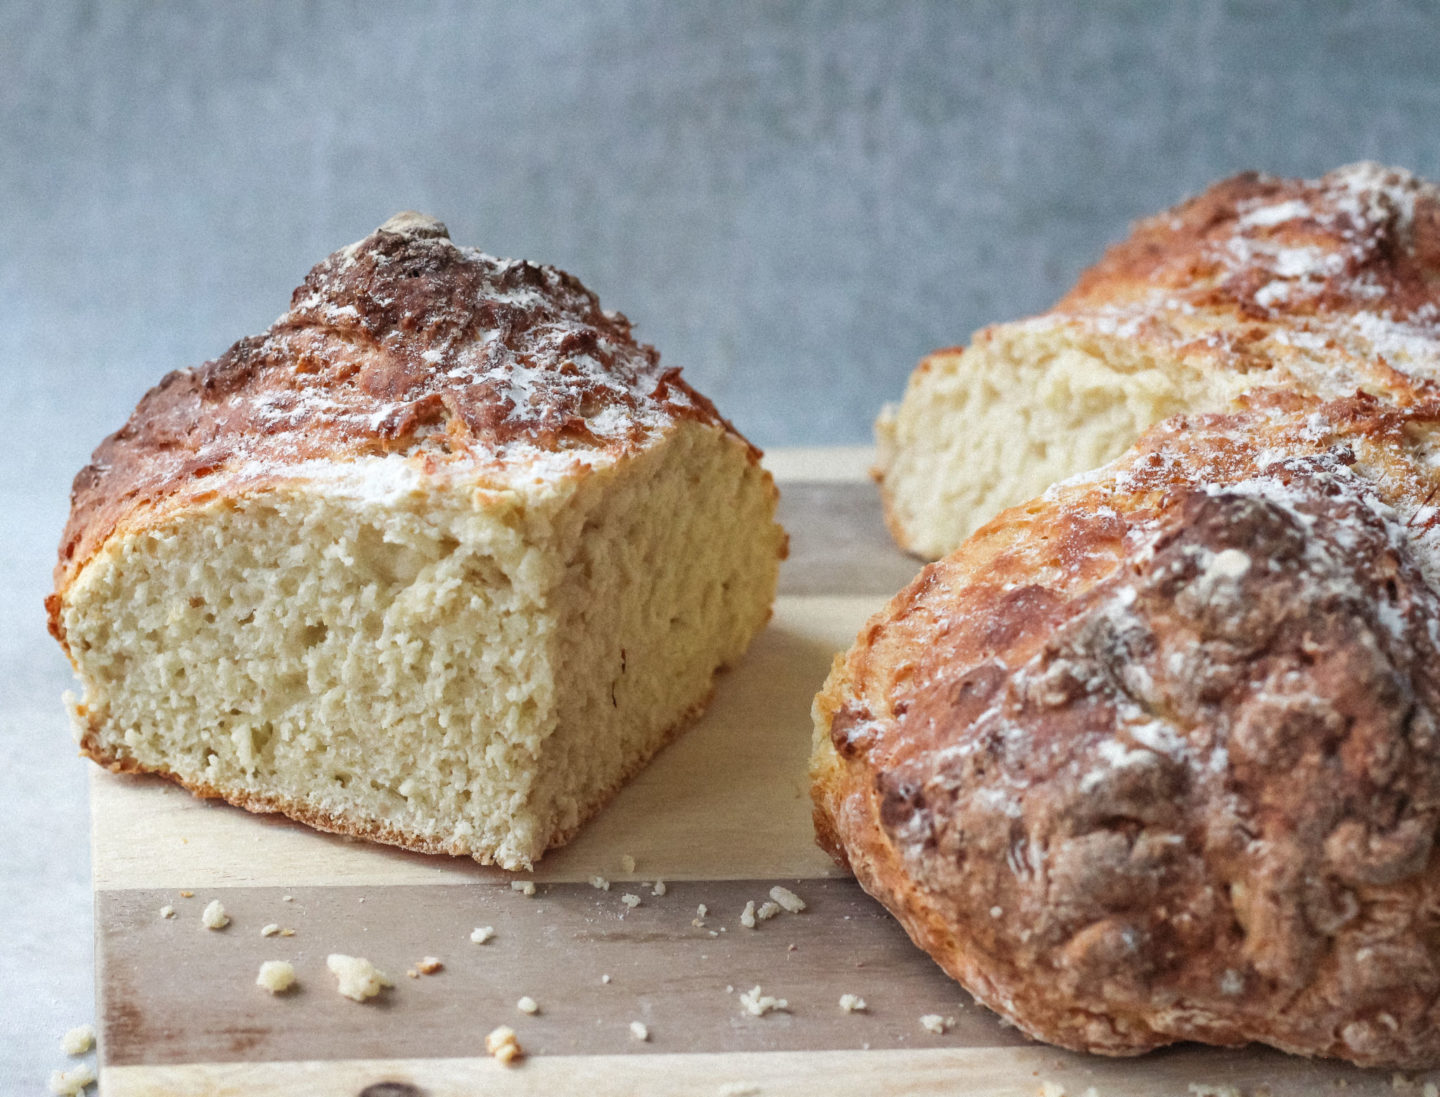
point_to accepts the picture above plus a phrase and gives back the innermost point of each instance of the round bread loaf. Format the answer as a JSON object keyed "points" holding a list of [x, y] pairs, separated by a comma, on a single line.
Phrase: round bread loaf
{"points": [[1321, 286], [1156, 756], [440, 559]]}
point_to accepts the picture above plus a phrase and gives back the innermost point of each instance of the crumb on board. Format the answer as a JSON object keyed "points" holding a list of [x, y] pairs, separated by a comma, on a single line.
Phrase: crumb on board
{"points": [[527, 1004], [524, 887], [214, 916], [658, 887], [358, 979], [429, 965], [738, 1089], [852, 1003], [600, 882], [630, 899], [605, 978], [287, 932], [767, 911], [1051, 1089], [287, 898], [276, 976], [627, 863], [271, 929], [187, 895], [502, 1045], [787, 899], [78, 1040], [747, 916], [757, 1004], [639, 1030], [480, 934], [167, 911], [69, 1083], [933, 1022]]}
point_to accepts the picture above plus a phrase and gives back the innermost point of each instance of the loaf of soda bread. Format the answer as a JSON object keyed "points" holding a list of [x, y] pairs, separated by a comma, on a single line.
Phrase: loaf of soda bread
{"points": [[439, 560]]}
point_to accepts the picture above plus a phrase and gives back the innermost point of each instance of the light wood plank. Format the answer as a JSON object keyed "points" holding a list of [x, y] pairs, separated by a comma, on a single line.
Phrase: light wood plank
{"points": [[729, 799], [962, 1072]]}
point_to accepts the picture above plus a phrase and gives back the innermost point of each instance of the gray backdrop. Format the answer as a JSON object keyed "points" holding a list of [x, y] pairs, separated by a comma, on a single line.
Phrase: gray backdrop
{"points": [[793, 201]]}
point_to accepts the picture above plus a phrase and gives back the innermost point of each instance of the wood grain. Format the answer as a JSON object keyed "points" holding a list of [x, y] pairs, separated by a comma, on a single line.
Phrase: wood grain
{"points": [[930, 1072]]}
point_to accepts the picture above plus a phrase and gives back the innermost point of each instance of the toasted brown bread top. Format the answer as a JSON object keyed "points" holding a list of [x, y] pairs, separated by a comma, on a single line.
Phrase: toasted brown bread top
{"points": [[401, 343], [1327, 285]]}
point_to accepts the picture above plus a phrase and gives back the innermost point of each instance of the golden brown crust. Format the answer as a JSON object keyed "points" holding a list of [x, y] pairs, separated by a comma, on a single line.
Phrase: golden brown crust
{"points": [[1156, 756], [402, 342], [1267, 247]]}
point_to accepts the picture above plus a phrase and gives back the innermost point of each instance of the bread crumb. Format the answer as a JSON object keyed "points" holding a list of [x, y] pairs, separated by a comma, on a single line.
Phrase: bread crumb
{"points": [[600, 882], [787, 899], [747, 916], [852, 1003], [524, 887], [287, 933], [701, 911], [167, 911], [358, 978], [276, 976], [631, 901], [214, 916], [738, 1089], [480, 934], [287, 898], [187, 895], [767, 911], [627, 863], [1051, 1089], [757, 1004], [270, 930], [501, 1044], [996, 912], [933, 1022], [527, 1004], [604, 978], [639, 1031], [658, 887], [429, 965], [78, 1040], [69, 1083]]}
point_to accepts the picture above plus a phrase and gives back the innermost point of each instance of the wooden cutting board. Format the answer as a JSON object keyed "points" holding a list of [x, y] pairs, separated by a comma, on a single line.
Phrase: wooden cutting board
{"points": [[721, 817]]}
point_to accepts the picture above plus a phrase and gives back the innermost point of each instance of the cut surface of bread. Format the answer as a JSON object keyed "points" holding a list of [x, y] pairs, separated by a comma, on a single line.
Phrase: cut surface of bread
{"points": [[444, 579], [1324, 286]]}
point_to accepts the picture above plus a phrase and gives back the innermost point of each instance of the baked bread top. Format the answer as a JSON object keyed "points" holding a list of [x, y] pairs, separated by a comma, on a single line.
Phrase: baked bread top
{"points": [[1332, 283], [1327, 286], [1156, 756], [402, 343]]}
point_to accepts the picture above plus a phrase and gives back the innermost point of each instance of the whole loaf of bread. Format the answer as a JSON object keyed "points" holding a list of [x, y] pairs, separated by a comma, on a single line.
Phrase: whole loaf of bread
{"points": [[1155, 756]]}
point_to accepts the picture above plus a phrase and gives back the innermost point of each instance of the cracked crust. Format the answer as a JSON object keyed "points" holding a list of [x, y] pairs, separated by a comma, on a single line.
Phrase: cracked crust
{"points": [[1154, 756]]}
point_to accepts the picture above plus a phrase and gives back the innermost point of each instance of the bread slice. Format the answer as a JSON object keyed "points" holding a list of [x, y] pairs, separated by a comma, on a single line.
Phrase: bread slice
{"points": [[1322, 286], [441, 560]]}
